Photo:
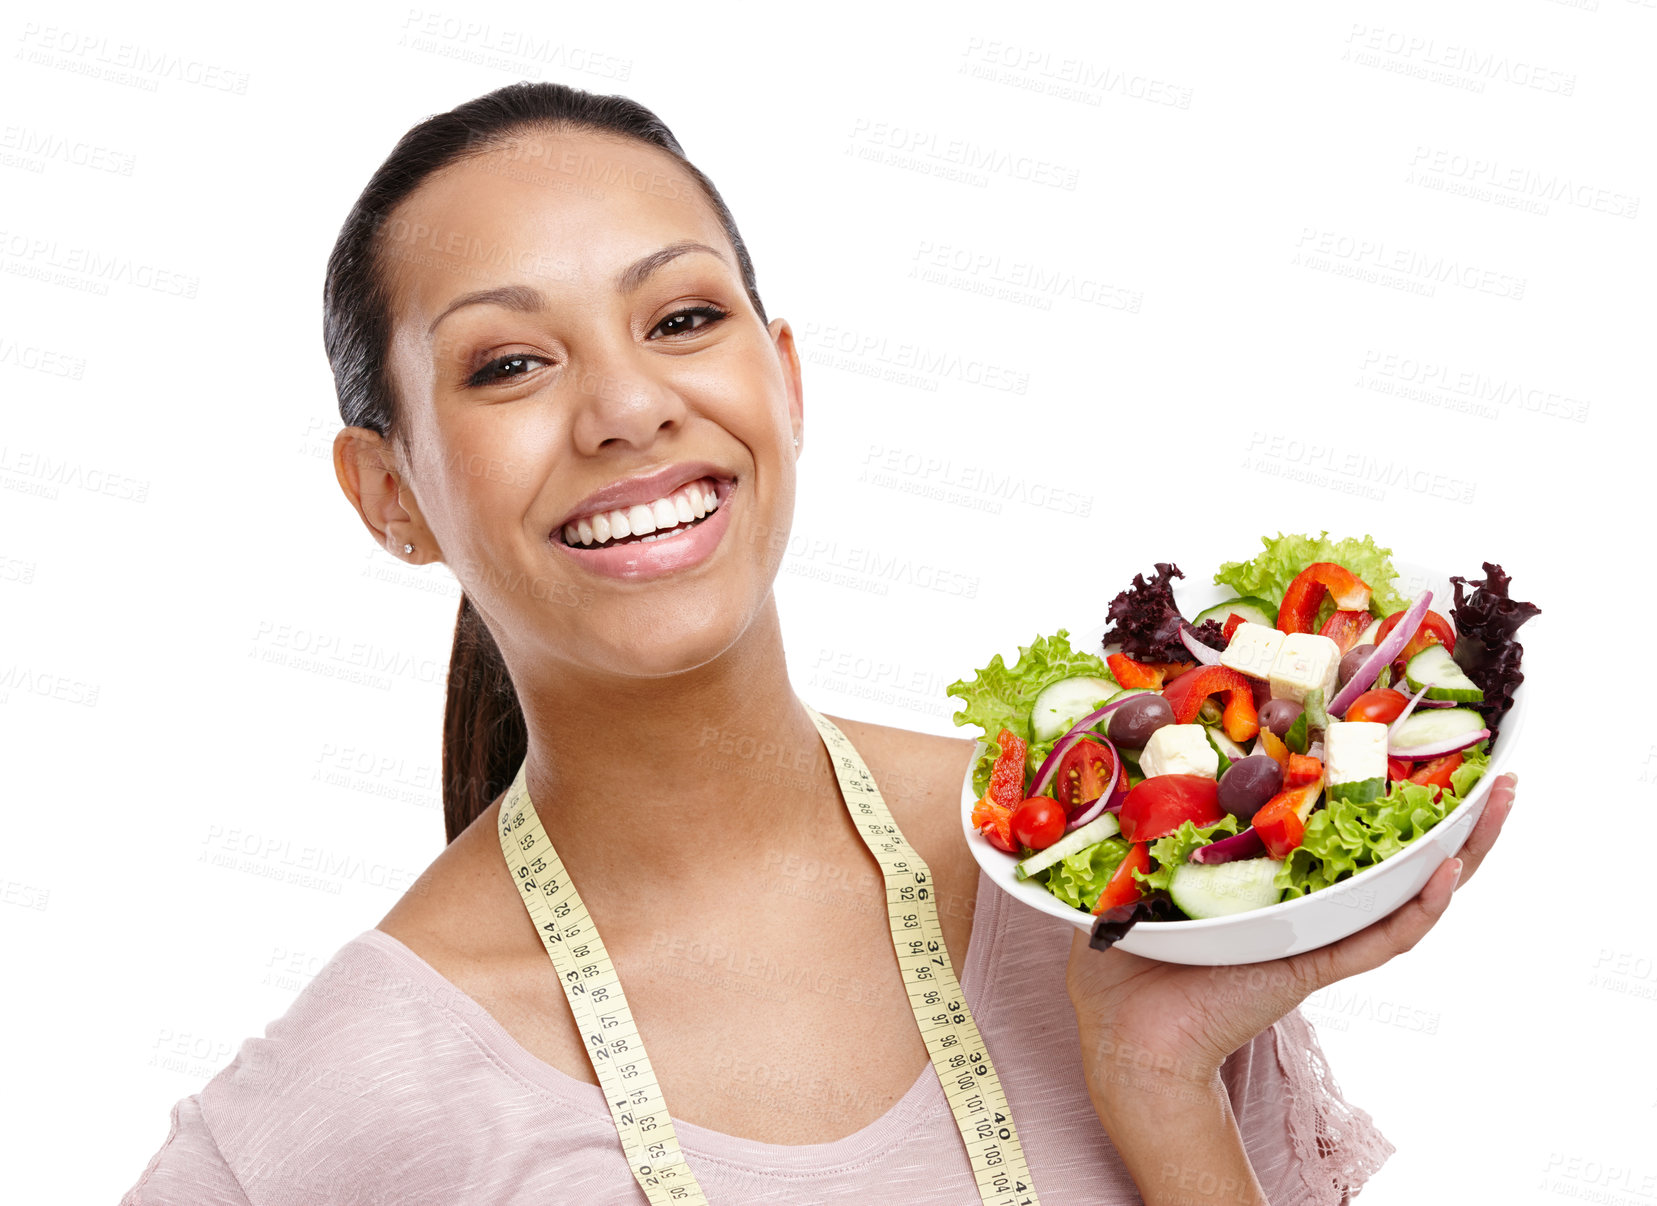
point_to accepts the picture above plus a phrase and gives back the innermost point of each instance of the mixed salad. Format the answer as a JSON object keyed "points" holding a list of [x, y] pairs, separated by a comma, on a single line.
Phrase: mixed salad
{"points": [[1275, 744]]}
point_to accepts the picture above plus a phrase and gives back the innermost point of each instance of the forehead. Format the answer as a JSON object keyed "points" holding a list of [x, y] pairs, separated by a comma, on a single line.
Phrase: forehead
{"points": [[560, 212]]}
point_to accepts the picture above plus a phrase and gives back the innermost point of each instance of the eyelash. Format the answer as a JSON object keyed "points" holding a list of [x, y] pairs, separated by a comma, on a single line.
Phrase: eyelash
{"points": [[488, 375]]}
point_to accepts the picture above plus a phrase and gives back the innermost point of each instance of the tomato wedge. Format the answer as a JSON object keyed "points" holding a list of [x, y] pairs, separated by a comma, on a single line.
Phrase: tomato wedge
{"points": [[1083, 774], [1436, 774], [1345, 627], [1382, 705], [1122, 888], [1434, 630], [1398, 768], [1160, 805]]}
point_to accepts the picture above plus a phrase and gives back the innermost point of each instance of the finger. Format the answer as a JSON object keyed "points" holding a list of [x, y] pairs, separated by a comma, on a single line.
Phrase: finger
{"points": [[1490, 824], [1375, 944]]}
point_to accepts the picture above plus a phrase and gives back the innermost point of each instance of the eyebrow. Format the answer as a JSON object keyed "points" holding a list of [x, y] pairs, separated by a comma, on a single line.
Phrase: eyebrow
{"points": [[528, 299]]}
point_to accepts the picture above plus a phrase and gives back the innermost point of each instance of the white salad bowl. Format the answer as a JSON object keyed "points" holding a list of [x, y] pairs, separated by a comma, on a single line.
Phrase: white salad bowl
{"points": [[1306, 922]]}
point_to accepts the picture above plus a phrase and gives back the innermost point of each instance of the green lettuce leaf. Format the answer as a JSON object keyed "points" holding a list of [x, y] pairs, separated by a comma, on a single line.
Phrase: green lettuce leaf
{"points": [[1342, 838], [1079, 879], [1474, 762], [1000, 696], [1169, 852], [1269, 574]]}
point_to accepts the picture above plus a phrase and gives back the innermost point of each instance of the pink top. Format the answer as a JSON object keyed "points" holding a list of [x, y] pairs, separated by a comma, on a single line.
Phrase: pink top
{"points": [[384, 1083]]}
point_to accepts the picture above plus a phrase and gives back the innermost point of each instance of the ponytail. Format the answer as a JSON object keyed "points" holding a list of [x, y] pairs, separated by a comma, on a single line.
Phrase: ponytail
{"points": [[485, 739]]}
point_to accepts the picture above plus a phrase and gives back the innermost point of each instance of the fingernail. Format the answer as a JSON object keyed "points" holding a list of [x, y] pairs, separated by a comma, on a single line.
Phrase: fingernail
{"points": [[1455, 873]]}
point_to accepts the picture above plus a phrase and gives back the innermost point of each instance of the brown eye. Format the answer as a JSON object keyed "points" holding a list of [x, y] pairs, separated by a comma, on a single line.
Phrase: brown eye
{"points": [[679, 322], [504, 368]]}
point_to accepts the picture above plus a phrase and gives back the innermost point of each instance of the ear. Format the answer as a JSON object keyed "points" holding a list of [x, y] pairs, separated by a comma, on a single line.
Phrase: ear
{"points": [[782, 336], [371, 474]]}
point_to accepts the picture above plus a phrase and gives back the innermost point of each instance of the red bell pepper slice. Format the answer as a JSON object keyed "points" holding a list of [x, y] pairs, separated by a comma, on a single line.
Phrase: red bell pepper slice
{"points": [[1007, 775], [1300, 601], [1399, 768], [1187, 693], [1135, 674], [1281, 821], [1122, 888], [1272, 745], [1302, 770], [1232, 620], [995, 823]]}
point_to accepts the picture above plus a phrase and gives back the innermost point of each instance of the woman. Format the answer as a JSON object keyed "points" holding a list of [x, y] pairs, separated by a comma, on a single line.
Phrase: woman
{"points": [[545, 334]]}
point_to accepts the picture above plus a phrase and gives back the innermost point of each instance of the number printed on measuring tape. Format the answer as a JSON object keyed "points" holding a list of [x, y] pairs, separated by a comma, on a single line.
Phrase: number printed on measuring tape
{"points": [[612, 1041]]}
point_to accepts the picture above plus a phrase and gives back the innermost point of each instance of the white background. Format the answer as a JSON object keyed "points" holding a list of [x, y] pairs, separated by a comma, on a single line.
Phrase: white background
{"points": [[1364, 267]]}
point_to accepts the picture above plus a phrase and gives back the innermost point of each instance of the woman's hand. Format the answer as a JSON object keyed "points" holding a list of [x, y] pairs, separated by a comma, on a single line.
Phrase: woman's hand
{"points": [[1153, 1033]]}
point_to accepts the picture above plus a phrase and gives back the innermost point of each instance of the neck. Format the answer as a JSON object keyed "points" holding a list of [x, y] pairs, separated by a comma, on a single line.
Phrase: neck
{"points": [[657, 780]]}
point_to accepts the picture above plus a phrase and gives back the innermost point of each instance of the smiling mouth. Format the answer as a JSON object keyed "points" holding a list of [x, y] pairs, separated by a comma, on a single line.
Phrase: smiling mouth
{"points": [[712, 496]]}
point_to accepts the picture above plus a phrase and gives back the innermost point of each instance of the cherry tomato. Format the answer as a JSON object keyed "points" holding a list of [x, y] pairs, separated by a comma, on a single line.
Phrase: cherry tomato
{"points": [[1159, 805], [1083, 774], [1122, 887], [1436, 774], [1382, 705], [1039, 822], [1345, 627], [1434, 630]]}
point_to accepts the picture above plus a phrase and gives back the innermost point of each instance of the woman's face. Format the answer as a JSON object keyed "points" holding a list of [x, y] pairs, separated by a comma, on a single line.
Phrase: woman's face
{"points": [[604, 356]]}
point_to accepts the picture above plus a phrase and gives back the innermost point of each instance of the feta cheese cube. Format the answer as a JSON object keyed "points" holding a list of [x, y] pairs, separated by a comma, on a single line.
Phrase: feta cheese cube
{"points": [[1354, 750], [1253, 649], [1179, 749], [1305, 661]]}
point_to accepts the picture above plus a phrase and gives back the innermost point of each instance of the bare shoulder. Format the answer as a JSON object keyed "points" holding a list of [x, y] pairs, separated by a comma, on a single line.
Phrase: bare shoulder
{"points": [[463, 907]]}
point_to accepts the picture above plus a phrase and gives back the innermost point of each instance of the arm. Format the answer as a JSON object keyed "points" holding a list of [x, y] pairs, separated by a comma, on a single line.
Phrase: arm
{"points": [[189, 1170]]}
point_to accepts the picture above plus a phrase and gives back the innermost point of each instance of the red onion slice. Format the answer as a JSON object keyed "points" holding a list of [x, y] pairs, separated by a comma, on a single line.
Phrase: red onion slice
{"points": [[1235, 848], [1388, 649], [1200, 651], [1439, 748]]}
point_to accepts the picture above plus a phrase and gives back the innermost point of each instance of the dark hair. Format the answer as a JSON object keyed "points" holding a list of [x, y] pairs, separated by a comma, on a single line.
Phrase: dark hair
{"points": [[484, 735]]}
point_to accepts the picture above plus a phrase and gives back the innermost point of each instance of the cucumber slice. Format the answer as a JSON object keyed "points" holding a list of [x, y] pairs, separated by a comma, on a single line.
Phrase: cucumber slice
{"points": [[1063, 703], [1251, 608], [1097, 830], [1436, 670], [1434, 726], [1228, 749], [1219, 889], [1368, 637]]}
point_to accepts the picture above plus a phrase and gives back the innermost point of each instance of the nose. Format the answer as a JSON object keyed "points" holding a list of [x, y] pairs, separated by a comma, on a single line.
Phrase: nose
{"points": [[624, 396]]}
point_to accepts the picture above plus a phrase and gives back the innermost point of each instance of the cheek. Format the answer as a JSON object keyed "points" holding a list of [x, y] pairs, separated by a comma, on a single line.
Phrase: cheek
{"points": [[491, 464]]}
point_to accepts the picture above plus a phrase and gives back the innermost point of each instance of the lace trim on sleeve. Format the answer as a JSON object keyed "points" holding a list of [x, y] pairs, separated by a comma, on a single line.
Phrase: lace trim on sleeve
{"points": [[1337, 1145]]}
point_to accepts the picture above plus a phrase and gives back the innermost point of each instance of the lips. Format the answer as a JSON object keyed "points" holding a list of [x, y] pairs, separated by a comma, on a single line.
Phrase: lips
{"points": [[647, 488]]}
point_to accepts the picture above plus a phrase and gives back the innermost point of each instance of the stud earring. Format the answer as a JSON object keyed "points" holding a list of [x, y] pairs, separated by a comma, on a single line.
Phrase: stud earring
{"points": [[408, 548], [796, 441]]}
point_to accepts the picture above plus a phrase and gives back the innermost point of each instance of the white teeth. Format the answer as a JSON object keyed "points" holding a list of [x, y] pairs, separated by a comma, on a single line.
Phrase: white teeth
{"points": [[641, 519], [687, 504]]}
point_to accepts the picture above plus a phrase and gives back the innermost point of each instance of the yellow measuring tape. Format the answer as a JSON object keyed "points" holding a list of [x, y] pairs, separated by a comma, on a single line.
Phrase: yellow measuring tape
{"points": [[612, 1039]]}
